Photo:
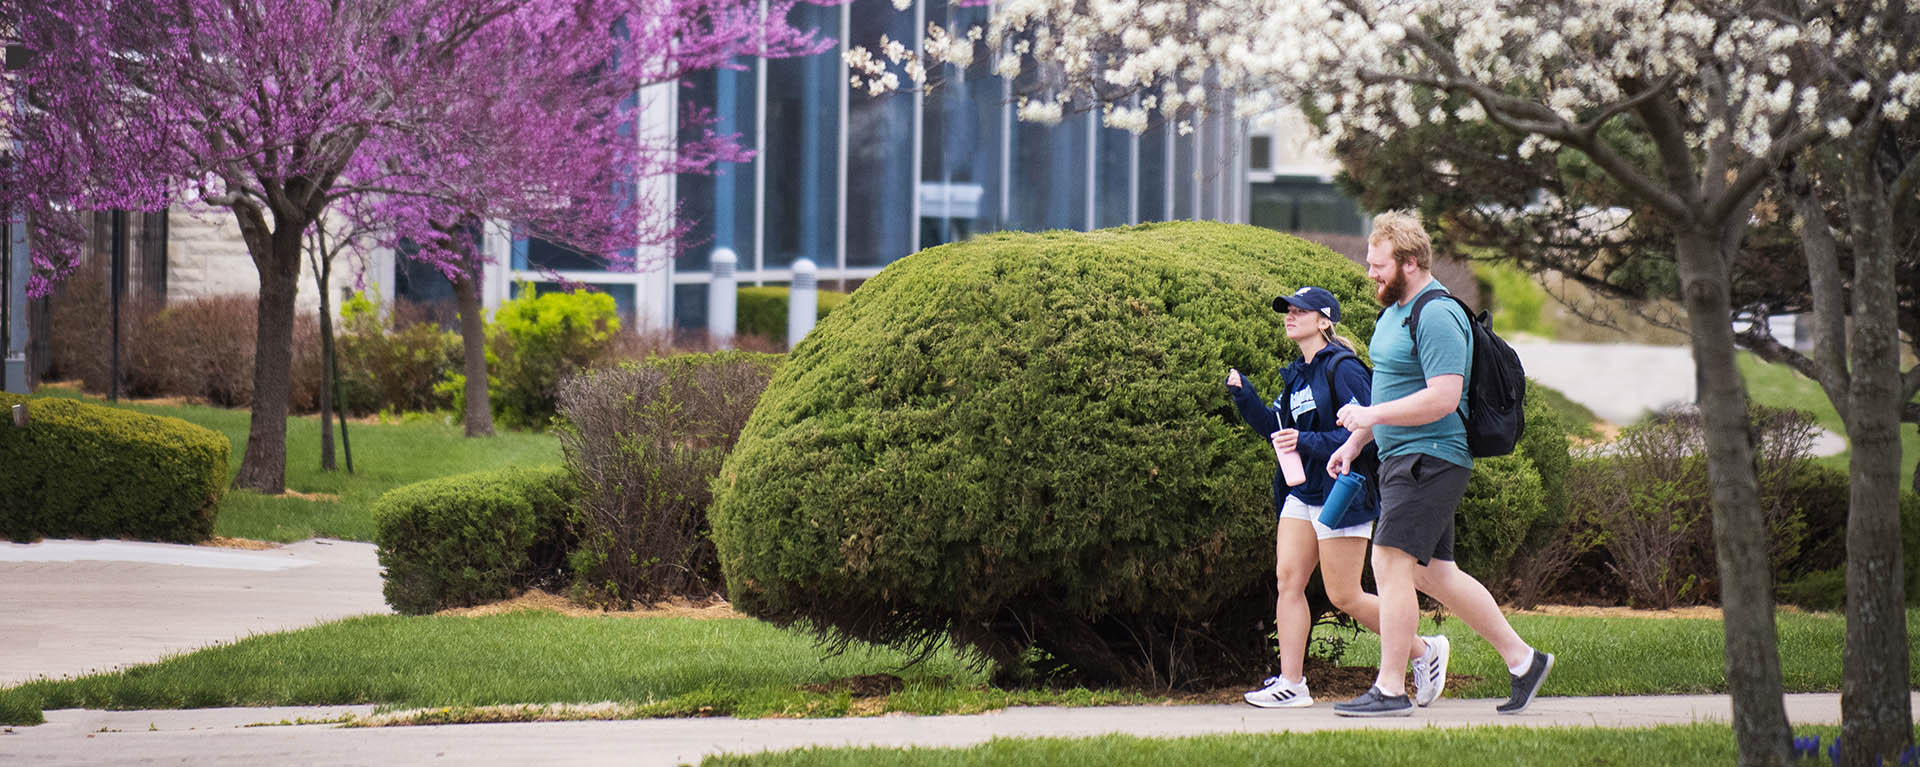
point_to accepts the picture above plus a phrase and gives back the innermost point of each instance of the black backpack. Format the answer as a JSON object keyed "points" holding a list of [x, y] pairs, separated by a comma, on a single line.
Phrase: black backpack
{"points": [[1367, 463], [1496, 383]]}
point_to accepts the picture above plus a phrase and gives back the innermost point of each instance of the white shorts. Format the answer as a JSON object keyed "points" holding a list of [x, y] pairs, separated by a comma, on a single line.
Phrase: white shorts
{"points": [[1294, 508]]}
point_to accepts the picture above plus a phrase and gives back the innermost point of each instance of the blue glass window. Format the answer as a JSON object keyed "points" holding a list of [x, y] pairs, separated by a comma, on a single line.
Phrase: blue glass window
{"points": [[1049, 170], [803, 135], [879, 149], [960, 135], [1153, 173], [1113, 168], [719, 204]]}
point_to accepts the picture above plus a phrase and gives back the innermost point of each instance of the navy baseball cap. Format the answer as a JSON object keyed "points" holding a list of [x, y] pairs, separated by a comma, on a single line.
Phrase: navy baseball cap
{"points": [[1311, 299]]}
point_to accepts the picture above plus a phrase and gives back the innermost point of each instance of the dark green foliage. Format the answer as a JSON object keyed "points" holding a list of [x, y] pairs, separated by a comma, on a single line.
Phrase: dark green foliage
{"points": [[474, 538], [762, 310], [1516, 503], [1503, 500], [81, 470], [1816, 578], [646, 440], [1023, 441]]}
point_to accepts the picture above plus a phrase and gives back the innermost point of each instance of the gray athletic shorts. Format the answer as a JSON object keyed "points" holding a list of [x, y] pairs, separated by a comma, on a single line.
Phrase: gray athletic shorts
{"points": [[1418, 496]]}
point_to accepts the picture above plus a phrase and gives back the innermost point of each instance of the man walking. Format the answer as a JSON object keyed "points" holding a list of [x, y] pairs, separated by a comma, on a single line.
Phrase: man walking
{"points": [[1424, 466]]}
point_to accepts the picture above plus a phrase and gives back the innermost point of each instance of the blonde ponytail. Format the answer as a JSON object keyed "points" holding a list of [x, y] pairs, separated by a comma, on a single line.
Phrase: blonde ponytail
{"points": [[1335, 338]]}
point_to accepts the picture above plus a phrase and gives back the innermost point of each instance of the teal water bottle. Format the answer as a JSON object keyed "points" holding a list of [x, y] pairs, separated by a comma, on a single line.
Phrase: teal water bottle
{"points": [[1343, 491]]}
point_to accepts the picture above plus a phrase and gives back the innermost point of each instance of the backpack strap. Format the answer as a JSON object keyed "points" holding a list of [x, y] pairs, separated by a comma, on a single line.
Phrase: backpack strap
{"points": [[1413, 332]]}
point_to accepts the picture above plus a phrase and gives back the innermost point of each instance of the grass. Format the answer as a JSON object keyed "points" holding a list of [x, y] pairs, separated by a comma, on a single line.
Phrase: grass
{"points": [[666, 666], [1576, 417], [688, 667], [385, 456], [1782, 386], [1491, 746]]}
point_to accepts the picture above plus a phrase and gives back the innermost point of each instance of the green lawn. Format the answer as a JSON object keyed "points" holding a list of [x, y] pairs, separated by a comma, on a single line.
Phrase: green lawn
{"points": [[1685, 745], [681, 666], [1782, 386], [385, 456]]}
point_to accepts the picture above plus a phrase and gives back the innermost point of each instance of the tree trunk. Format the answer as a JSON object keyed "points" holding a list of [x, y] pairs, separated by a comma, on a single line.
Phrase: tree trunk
{"points": [[326, 375], [1875, 711], [1739, 532], [479, 415], [264, 467], [323, 262]]}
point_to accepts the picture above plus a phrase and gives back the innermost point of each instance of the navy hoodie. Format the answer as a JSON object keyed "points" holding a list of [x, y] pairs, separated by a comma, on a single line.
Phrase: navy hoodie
{"points": [[1309, 406]]}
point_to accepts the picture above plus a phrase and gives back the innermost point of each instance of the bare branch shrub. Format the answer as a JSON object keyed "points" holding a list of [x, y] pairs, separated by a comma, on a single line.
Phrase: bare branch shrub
{"points": [[645, 438]]}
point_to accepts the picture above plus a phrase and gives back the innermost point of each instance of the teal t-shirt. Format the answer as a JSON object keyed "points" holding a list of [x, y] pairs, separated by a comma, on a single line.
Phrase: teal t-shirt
{"points": [[1445, 349]]}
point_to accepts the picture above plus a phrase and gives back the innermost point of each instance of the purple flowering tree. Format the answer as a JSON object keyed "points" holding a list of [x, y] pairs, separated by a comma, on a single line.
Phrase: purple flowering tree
{"points": [[411, 117]]}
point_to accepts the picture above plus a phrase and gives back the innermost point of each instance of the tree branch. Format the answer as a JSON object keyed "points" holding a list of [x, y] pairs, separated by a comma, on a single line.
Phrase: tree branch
{"points": [[1827, 286]]}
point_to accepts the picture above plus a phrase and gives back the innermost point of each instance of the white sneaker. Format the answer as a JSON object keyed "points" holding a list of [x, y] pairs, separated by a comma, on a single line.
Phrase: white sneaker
{"points": [[1280, 693], [1430, 670]]}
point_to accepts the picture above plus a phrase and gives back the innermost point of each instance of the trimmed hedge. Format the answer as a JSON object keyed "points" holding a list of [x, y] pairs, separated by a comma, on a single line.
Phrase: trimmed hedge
{"points": [[81, 470], [762, 310], [1020, 442], [473, 538]]}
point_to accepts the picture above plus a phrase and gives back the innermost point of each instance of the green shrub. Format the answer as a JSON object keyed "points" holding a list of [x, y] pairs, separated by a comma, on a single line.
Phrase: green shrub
{"points": [[392, 360], [1816, 578], [1644, 504], [762, 310], [474, 538], [1818, 590], [1504, 498], [646, 438], [1506, 522], [535, 341], [81, 470], [1022, 441]]}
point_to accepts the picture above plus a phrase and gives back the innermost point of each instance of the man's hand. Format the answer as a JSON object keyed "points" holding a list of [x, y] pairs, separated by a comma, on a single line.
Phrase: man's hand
{"points": [[1286, 439], [1233, 378], [1356, 417]]}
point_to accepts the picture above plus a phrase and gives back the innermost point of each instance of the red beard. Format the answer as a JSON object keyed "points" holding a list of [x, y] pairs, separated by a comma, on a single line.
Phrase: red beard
{"points": [[1394, 290]]}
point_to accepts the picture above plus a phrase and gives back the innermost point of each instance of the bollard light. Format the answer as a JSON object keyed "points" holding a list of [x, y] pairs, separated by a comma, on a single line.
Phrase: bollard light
{"points": [[722, 295], [803, 300]]}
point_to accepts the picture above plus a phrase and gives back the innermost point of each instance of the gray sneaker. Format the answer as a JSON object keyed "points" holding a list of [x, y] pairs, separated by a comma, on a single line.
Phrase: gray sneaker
{"points": [[1375, 703], [1526, 686], [1430, 670]]}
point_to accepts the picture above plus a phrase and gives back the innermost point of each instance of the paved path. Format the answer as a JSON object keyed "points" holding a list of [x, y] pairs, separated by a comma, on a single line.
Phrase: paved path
{"points": [[73, 607], [1622, 383], [220, 736], [1618, 382]]}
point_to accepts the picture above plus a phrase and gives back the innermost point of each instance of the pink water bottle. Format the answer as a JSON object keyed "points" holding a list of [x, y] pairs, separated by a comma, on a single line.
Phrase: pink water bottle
{"points": [[1290, 467]]}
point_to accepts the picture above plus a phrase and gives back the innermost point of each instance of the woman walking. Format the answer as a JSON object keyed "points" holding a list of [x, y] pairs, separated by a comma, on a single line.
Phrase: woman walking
{"points": [[1328, 376]]}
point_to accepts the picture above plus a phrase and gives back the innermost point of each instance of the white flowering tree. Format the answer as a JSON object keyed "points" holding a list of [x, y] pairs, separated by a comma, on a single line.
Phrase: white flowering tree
{"points": [[1719, 96]]}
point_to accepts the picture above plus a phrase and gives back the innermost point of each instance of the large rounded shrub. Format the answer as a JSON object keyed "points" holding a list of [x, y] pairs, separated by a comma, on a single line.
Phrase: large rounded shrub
{"points": [[1023, 443], [80, 470]]}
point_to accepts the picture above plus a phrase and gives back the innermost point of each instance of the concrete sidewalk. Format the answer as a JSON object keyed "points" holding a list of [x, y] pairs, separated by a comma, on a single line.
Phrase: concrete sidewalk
{"points": [[74, 607], [222, 736]]}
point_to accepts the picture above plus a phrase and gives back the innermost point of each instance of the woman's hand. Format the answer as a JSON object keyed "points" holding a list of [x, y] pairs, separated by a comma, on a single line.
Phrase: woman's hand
{"points": [[1342, 460], [1286, 439], [1233, 378]]}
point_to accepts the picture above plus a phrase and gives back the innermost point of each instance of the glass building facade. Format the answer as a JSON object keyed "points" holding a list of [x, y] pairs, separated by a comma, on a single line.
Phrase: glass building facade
{"points": [[854, 182]]}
